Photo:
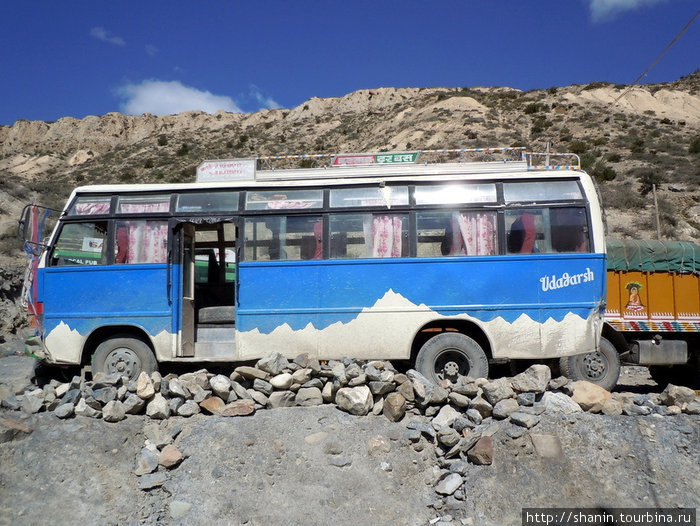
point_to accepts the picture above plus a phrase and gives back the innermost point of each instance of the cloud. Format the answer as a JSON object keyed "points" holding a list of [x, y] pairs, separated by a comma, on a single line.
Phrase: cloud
{"points": [[166, 98], [602, 10], [265, 102], [100, 33]]}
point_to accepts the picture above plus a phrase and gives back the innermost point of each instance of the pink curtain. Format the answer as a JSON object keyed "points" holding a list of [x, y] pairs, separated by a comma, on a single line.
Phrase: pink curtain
{"points": [[473, 234], [142, 241], [87, 209], [383, 236]]}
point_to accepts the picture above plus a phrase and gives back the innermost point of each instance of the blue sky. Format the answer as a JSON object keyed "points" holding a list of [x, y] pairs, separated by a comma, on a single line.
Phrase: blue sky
{"points": [[77, 58]]}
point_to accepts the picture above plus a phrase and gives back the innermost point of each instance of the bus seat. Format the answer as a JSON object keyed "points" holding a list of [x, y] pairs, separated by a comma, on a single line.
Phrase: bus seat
{"points": [[522, 235]]}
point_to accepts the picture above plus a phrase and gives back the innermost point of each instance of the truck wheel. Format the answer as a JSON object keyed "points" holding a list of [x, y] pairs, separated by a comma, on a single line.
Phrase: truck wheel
{"points": [[127, 356], [451, 355], [601, 368]]}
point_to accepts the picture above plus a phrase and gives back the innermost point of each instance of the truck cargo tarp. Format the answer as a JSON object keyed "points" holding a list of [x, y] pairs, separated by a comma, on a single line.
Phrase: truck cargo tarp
{"points": [[653, 256]]}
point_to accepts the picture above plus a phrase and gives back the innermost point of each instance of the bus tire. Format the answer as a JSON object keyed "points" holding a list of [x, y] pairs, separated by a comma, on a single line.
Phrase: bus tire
{"points": [[601, 368], [124, 355], [451, 355]]}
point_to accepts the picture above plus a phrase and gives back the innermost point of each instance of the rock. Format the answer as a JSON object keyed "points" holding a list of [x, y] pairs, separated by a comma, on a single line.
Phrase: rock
{"points": [[170, 456], [64, 410], [483, 407], [133, 404], [497, 390], [355, 400], [482, 453], [302, 376], [146, 462], [113, 411], [258, 397], [612, 408], [524, 419], [394, 406], [466, 386], [33, 401], [636, 410], [677, 395], [177, 389], [426, 392], [104, 395], [378, 445], [281, 399], [144, 387], [559, 403], [157, 379], [504, 408], [380, 388], [448, 437], [309, 396], [558, 383], [242, 407], [282, 381], [157, 435], [152, 480], [449, 484], [11, 429], [83, 409], [445, 417], [241, 392], [459, 400], [526, 399], [534, 379], [328, 392], [174, 403], [201, 395], [189, 408], [251, 373], [220, 386], [158, 407], [693, 408], [405, 389], [589, 396], [273, 364]]}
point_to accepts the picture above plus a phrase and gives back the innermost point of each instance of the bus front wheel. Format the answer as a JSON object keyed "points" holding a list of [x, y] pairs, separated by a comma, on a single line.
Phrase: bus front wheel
{"points": [[451, 355], [601, 368], [127, 356]]}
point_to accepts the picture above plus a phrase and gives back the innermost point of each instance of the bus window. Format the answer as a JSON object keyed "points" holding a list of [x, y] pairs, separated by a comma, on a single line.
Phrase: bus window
{"points": [[536, 191], [445, 194], [90, 205], [369, 235], [141, 242], [456, 234], [80, 244], [283, 238], [386, 196], [140, 204], [281, 200], [547, 230]]}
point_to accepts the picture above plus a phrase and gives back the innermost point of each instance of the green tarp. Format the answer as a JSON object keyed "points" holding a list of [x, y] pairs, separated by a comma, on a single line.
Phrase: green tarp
{"points": [[653, 256]]}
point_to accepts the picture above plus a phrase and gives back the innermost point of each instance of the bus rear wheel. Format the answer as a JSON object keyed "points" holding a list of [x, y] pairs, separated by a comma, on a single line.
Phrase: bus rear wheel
{"points": [[450, 356], [601, 368], [127, 356]]}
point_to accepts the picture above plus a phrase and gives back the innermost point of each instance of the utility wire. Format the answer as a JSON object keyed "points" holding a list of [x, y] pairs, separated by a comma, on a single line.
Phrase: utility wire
{"points": [[685, 28]]}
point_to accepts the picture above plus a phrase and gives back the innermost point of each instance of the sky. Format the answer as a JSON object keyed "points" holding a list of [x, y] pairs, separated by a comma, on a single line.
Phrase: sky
{"points": [[75, 58]]}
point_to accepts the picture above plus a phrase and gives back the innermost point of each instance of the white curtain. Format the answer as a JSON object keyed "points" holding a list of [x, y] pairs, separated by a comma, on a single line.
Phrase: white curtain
{"points": [[383, 235], [473, 234]]}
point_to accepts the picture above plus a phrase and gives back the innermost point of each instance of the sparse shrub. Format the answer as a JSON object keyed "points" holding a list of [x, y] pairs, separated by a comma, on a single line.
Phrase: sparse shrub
{"points": [[535, 107], [694, 147], [162, 140], [614, 158], [649, 178], [149, 163], [602, 172], [183, 150], [578, 146]]}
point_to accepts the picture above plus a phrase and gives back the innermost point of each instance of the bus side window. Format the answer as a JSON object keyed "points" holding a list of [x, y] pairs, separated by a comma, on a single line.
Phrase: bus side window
{"points": [[81, 244], [141, 242], [522, 235], [569, 230]]}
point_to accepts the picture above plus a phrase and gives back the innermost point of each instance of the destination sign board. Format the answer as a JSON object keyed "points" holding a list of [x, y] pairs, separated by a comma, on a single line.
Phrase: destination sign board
{"points": [[226, 170], [355, 159]]}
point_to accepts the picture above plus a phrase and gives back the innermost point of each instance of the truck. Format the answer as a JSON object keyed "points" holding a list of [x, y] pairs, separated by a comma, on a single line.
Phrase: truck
{"points": [[652, 314]]}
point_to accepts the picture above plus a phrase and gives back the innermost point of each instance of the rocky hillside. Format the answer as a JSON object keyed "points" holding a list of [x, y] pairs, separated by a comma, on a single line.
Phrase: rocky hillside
{"points": [[628, 138]]}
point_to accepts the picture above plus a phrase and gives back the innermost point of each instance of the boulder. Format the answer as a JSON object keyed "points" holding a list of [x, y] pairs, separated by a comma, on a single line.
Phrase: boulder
{"points": [[482, 453], [394, 406], [534, 379], [355, 400], [589, 396]]}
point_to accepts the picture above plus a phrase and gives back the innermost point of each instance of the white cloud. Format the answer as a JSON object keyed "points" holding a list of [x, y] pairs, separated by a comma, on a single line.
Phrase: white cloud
{"points": [[100, 33], [266, 103], [166, 98], [607, 9]]}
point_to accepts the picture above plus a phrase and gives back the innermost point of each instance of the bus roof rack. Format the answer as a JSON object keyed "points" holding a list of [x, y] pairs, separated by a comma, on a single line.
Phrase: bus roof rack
{"points": [[319, 160], [551, 161]]}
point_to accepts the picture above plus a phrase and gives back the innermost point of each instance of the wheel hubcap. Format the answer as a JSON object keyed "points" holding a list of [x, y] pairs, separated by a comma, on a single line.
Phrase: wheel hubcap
{"points": [[123, 361], [450, 365], [594, 365]]}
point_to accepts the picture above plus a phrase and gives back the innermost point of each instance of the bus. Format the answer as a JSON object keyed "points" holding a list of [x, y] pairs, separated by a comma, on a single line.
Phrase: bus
{"points": [[452, 265]]}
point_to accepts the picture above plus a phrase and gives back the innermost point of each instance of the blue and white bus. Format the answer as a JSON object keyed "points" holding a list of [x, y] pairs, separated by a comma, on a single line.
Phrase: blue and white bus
{"points": [[450, 265]]}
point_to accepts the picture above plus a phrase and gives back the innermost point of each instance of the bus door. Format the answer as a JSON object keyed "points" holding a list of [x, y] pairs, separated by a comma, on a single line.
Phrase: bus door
{"points": [[206, 280]]}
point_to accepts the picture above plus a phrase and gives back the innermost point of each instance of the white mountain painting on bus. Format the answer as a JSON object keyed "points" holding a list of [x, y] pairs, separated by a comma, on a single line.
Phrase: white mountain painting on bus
{"points": [[391, 334]]}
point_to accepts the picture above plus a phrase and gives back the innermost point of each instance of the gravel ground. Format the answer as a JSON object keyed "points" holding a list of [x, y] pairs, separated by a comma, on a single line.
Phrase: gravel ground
{"points": [[320, 465]]}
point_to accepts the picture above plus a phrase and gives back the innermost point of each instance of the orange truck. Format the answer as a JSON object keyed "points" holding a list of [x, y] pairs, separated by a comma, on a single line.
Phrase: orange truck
{"points": [[652, 315]]}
